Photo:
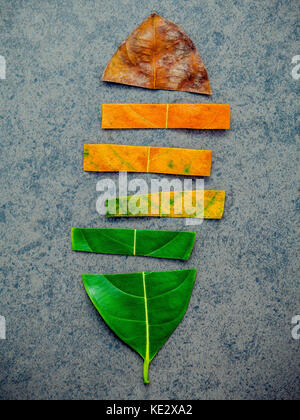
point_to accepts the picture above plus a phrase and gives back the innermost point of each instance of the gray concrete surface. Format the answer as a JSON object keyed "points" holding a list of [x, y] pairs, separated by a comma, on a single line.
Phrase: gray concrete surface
{"points": [[235, 341]]}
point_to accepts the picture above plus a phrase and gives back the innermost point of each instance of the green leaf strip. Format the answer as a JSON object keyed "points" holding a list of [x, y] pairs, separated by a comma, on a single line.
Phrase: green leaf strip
{"points": [[148, 243]]}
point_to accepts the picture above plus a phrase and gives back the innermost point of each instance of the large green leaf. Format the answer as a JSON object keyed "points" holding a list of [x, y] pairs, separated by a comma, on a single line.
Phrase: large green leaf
{"points": [[143, 309], [149, 243]]}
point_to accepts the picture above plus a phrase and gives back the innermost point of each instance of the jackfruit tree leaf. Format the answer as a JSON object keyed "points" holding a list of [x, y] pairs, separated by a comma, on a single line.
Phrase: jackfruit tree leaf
{"points": [[202, 204], [142, 309], [149, 243], [158, 55]]}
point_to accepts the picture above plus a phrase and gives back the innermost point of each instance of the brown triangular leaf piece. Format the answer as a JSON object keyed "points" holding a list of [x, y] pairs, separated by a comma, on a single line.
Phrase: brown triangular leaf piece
{"points": [[158, 55]]}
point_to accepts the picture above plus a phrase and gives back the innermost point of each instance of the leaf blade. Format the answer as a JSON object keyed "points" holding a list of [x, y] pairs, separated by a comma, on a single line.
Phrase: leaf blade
{"points": [[148, 243], [151, 314], [158, 40], [164, 204], [148, 159]]}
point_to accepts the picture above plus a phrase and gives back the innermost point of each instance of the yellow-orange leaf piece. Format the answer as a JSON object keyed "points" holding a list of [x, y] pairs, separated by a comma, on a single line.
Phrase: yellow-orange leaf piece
{"points": [[194, 116], [158, 55], [197, 204], [164, 160]]}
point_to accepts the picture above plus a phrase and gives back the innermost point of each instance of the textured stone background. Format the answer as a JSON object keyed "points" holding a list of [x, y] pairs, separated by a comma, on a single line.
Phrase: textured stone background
{"points": [[235, 341]]}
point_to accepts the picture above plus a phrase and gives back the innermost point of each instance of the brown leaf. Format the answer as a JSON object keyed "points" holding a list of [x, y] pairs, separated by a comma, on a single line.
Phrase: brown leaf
{"points": [[158, 55]]}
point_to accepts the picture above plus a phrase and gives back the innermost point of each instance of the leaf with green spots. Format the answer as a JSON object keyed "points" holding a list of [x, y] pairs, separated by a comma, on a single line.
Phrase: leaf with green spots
{"points": [[207, 204], [148, 243], [142, 309]]}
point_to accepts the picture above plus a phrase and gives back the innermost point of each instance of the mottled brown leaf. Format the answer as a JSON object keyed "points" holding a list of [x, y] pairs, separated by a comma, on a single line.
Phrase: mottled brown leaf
{"points": [[158, 55]]}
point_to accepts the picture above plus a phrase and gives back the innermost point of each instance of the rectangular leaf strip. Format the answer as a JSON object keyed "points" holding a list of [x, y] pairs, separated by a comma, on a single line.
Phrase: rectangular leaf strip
{"points": [[149, 243], [192, 116], [195, 204], [166, 160]]}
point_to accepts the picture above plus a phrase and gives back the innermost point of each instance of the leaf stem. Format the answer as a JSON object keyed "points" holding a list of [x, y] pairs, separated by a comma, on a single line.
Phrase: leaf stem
{"points": [[146, 371]]}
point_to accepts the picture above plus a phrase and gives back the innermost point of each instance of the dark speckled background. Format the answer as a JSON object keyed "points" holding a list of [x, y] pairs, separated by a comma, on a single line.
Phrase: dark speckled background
{"points": [[235, 341]]}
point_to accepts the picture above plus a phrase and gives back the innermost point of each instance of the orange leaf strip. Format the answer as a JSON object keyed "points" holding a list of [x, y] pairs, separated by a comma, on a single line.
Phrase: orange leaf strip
{"points": [[192, 116], [119, 158]]}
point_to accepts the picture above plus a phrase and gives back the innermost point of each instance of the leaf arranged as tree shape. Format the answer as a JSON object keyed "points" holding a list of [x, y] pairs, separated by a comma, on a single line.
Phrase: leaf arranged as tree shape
{"points": [[158, 55], [148, 243], [143, 309]]}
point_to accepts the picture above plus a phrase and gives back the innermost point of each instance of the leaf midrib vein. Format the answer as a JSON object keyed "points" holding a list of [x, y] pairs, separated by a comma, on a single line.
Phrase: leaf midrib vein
{"points": [[146, 318]]}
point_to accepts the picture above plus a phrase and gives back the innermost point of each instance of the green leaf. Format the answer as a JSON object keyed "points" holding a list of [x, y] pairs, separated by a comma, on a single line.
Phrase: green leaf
{"points": [[143, 309], [149, 243]]}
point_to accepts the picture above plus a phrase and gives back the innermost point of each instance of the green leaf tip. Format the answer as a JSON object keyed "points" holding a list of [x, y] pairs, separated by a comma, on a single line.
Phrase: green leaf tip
{"points": [[142, 309]]}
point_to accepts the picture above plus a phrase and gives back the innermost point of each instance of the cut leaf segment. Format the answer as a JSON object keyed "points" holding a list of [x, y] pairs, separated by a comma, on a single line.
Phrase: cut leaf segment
{"points": [[192, 116], [148, 243], [207, 204], [158, 55], [142, 309], [111, 158]]}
